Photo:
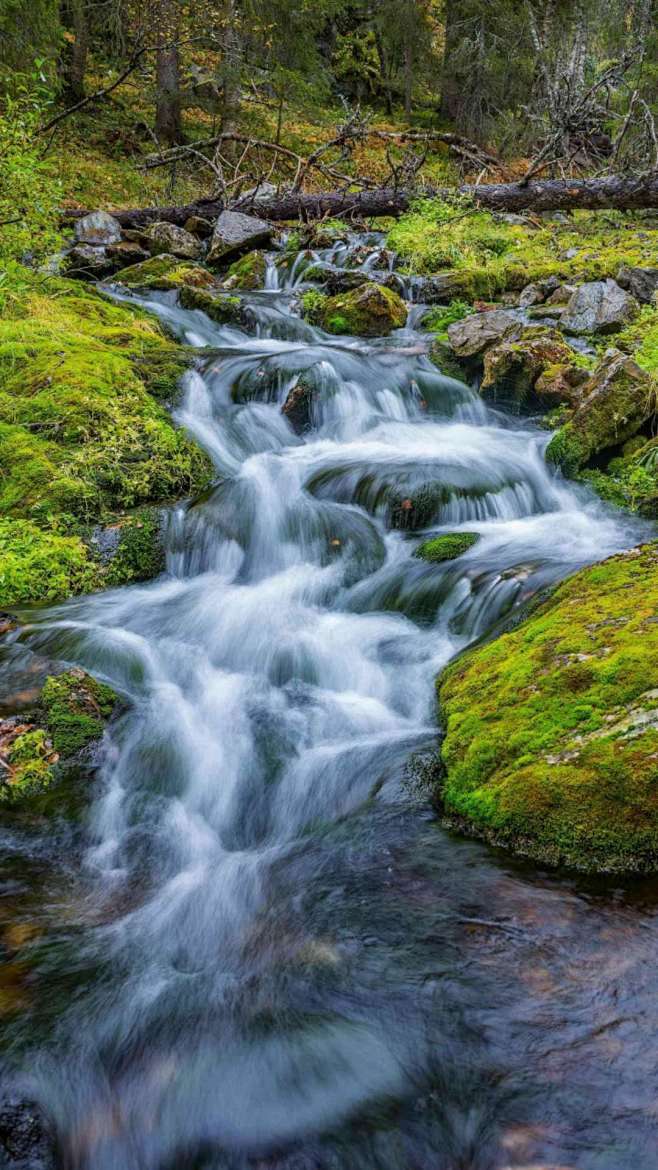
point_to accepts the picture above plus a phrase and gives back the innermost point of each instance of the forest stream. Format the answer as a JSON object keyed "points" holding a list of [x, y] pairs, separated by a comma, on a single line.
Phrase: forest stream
{"points": [[260, 947]]}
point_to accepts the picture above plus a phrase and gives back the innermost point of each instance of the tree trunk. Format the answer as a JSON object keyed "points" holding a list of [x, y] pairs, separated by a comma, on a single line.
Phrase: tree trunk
{"points": [[449, 106], [75, 65], [168, 123], [551, 195], [231, 67]]}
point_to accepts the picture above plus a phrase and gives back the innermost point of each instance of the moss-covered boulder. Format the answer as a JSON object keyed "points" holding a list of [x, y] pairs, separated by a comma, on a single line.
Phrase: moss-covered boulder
{"points": [[368, 311], [220, 307], [36, 747], [447, 547], [551, 731], [164, 273], [131, 549], [168, 239], [513, 369], [473, 335], [84, 434], [617, 401], [248, 272]]}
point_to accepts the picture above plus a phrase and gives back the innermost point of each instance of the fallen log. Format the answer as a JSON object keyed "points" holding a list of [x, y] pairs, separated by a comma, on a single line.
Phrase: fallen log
{"points": [[614, 192]]}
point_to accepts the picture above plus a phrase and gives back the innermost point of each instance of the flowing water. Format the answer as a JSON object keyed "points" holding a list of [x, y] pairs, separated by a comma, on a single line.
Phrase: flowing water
{"points": [[258, 948]]}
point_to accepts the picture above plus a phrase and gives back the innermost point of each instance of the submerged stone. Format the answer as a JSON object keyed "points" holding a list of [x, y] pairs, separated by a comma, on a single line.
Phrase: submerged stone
{"points": [[218, 306], [367, 311], [551, 731]]}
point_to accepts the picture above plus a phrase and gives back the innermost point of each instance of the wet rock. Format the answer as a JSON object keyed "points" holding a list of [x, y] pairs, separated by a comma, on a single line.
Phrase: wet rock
{"points": [[447, 547], [552, 730], [560, 384], [368, 311], [436, 290], [599, 307], [164, 273], [98, 228], [248, 272], [339, 280], [132, 548], [443, 357], [641, 283], [616, 402], [298, 406], [26, 1140], [471, 336], [417, 509], [218, 306], [512, 369], [167, 239], [235, 233], [87, 262]]}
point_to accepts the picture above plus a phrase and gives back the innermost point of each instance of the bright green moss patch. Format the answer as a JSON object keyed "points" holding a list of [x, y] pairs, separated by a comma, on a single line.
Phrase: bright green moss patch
{"points": [[551, 743], [139, 555], [31, 759], [77, 708], [447, 547], [249, 271], [82, 435], [42, 565], [164, 273], [368, 311], [495, 255], [313, 303], [438, 319]]}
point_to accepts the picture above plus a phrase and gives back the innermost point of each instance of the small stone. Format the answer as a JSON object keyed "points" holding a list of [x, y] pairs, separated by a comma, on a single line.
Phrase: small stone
{"points": [[87, 262]]}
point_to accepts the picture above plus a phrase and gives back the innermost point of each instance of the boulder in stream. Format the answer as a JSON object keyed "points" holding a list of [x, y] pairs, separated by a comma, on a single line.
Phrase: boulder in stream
{"points": [[600, 306], [248, 272], [551, 730], [617, 401], [367, 311], [235, 233], [26, 1140], [447, 547], [164, 273], [220, 307]]}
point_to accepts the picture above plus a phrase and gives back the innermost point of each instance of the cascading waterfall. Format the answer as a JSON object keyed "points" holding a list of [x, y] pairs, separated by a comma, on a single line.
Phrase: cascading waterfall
{"points": [[263, 960]]}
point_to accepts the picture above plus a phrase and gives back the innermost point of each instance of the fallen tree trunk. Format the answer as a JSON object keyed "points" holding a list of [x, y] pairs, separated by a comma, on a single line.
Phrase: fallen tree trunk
{"points": [[549, 195]]}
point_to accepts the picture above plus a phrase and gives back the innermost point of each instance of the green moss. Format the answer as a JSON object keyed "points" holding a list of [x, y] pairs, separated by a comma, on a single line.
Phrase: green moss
{"points": [[165, 273], [249, 271], [438, 319], [495, 256], [77, 708], [446, 547], [552, 730], [368, 311], [42, 565], [313, 303], [31, 761], [140, 553], [224, 309], [82, 436]]}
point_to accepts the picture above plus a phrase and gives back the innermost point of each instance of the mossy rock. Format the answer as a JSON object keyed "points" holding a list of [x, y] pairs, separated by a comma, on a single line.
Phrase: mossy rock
{"points": [[36, 751], [617, 401], [132, 548], [164, 273], [83, 436], [516, 372], [551, 731], [226, 310], [313, 304], [248, 272], [447, 547], [368, 311]]}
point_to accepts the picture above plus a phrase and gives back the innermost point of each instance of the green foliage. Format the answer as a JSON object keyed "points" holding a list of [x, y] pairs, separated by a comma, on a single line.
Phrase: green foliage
{"points": [[446, 547], [552, 730], [30, 760], [29, 196], [313, 303], [440, 317]]}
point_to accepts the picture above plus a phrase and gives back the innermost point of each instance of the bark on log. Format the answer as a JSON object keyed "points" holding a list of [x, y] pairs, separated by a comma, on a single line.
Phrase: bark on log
{"points": [[547, 195]]}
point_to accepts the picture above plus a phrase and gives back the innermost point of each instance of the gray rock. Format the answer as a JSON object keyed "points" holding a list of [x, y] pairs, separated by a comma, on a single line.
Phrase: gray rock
{"points": [[641, 283], [562, 295], [196, 225], [26, 1139], [599, 307], [98, 228], [532, 294], [166, 238], [474, 334], [235, 233], [87, 262], [126, 252]]}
